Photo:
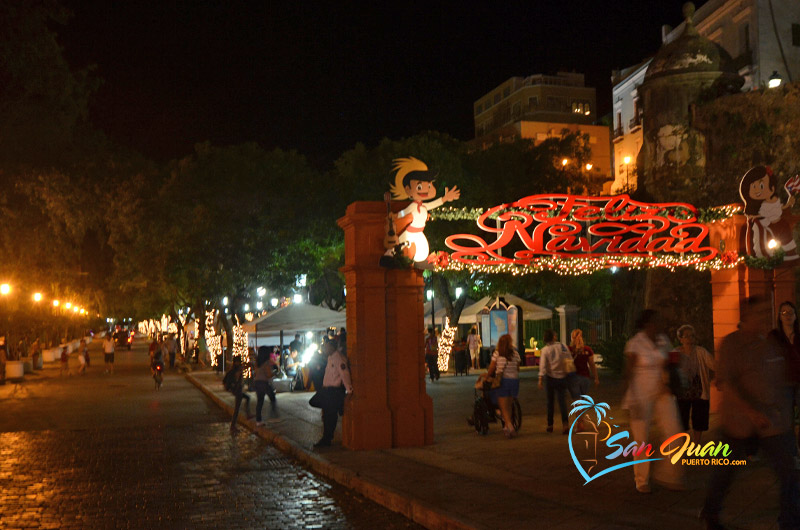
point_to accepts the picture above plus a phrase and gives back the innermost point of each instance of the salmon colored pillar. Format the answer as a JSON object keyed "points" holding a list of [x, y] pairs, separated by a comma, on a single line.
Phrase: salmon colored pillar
{"points": [[389, 406], [730, 286]]}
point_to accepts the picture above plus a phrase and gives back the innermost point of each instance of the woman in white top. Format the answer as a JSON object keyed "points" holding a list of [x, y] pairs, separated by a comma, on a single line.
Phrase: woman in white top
{"points": [[649, 400], [505, 360]]}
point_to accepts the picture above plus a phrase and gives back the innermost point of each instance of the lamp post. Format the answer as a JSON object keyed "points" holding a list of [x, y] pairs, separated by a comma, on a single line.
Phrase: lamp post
{"points": [[430, 299], [5, 290], [627, 161]]}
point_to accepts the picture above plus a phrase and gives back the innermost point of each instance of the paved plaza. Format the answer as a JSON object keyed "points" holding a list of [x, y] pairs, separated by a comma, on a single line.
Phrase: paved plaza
{"points": [[100, 451], [110, 452]]}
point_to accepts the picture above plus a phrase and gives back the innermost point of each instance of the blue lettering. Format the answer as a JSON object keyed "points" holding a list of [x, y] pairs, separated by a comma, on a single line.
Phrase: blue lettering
{"points": [[610, 443]]}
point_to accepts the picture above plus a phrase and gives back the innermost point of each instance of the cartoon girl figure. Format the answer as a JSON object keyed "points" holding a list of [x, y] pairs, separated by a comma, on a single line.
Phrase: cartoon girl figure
{"points": [[414, 181], [767, 228]]}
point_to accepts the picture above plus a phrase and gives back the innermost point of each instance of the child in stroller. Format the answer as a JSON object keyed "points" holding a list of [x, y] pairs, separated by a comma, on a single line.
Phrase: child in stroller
{"points": [[485, 409]]}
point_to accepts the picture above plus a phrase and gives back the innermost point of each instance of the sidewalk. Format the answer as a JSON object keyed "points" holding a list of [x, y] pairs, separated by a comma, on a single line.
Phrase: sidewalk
{"points": [[464, 480]]}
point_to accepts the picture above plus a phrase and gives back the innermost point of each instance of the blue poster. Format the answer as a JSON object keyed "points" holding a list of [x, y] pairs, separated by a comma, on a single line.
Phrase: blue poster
{"points": [[498, 325]]}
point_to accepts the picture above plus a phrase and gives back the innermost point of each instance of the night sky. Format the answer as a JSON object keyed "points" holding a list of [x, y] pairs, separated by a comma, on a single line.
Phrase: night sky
{"points": [[320, 76]]}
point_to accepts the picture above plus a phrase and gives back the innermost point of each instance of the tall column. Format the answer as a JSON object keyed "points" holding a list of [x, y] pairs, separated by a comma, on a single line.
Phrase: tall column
{"points": [[390, 406], [730, 286], [366, 423]]}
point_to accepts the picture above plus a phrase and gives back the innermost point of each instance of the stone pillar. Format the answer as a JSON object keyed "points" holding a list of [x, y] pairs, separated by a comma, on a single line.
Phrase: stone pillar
{"points": [[390, 406], [411, 407], [730, 286]]}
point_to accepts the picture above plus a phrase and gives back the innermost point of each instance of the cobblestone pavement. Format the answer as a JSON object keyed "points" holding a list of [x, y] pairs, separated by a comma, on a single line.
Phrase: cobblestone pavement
{"points": [[173, 469]]}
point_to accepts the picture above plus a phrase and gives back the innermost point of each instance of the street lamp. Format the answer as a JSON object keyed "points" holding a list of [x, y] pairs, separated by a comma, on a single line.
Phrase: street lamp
{"points": [[37, 297], [589, 166], [55, 303], [627, 161], [274, 302], [775, 80], [564, 162], [430, 299], [68, 305], [298, 298], [5, 289]]}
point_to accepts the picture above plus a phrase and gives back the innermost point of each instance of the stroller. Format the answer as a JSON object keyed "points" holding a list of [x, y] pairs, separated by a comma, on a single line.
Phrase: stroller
{"points": [[484, 411]]}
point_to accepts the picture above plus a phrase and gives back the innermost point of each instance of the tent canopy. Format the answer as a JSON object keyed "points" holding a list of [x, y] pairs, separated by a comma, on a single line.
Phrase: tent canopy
{"points": [[530, 311], [440, 311], [295, 318]]}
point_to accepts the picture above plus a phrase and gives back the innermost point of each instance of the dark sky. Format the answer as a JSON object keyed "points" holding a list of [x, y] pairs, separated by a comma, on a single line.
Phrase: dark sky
{"points": [[320, 76]]}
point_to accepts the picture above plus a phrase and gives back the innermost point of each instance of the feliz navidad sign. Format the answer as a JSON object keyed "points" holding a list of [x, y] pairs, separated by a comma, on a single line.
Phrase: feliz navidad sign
{"points": [[573, 234]]}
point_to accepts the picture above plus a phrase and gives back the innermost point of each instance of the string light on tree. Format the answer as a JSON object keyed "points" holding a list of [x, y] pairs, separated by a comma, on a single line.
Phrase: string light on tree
{"points": [[446, 344], [213, 341]]}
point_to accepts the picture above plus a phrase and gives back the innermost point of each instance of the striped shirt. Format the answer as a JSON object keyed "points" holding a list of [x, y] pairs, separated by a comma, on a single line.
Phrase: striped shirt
{"points": [[509, 368]]}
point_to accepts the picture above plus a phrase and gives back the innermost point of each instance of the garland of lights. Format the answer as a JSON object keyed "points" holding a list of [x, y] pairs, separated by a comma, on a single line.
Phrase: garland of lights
{"points": [[579, 266], [446, 345], [450, 213]]}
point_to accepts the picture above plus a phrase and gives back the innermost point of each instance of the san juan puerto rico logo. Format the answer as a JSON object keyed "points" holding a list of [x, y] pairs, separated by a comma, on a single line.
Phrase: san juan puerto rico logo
{"points": [[598, 446]]}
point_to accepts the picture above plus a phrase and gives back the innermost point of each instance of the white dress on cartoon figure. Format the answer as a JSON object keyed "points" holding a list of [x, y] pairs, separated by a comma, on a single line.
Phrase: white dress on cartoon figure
{"points": [[413, 232]]}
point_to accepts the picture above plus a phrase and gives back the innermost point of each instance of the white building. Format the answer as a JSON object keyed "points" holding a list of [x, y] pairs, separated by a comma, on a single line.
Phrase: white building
{"points": [[761, 36]]}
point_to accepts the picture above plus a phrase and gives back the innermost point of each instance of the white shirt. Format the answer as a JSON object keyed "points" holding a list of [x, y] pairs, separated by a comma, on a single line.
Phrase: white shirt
{"points": [[550, 362], [647, 379], [337, 372], [108, 346]]}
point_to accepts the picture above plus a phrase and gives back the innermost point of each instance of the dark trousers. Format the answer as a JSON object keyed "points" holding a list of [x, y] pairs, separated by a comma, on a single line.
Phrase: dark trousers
{"points": [[238, 397], [263, 388], [780, 452], [333, 401], [433, 366], [556, 388], [172, 359]]}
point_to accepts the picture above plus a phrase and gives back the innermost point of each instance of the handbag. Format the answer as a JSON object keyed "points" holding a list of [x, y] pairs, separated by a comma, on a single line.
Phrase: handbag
{"points": [[567, 362]]}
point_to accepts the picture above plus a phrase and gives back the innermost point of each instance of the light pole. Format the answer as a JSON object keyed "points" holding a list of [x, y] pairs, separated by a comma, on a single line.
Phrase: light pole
{"points": [[627, 161], [430, 299]]}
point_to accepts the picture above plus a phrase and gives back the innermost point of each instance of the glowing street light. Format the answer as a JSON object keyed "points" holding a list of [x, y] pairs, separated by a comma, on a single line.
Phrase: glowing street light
{"points": [[5, 289], [274, 302], [225, 301], [459, 290], [75, 309], [55, 303], [298, 298], [247, 307], [259, 304], [37, 297], [589, 166], [564, 162], [68, 305], [775, 80]]}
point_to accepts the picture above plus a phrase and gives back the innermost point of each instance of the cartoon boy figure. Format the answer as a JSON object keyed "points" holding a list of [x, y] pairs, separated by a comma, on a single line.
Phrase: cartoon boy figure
{"points": [[414, 181], [767, 228]]}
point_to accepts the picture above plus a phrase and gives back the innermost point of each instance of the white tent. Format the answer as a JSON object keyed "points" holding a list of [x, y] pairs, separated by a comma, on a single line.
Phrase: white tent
{"points": [[295, 318], [530, 311]]}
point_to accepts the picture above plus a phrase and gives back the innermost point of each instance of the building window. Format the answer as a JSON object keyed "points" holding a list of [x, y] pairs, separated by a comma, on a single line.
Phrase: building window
{"points": [[478, 109], [552, 103], [577, 107], [619, 121], [533, 102], [506, 92], [796, 34], [515, 110], [586, 109], [488, 104], [496, 99]]}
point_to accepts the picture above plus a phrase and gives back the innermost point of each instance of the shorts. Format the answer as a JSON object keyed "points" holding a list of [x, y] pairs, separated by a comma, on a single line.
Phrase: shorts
{"points": [[109, 358], [508, 388], [473, 354]]}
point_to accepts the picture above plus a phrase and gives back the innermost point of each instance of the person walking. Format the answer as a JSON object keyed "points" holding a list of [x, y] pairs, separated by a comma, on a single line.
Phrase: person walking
{"points": [[432, 354], [262, 380], [108, 352], [755, 406], [787, 334], [64, 361], [82, 356], [234, 383], [335, 387], [696, 365], [649, 400], [474, 346], [554, 374], [585, 368], [505, 361], [172, 349]]}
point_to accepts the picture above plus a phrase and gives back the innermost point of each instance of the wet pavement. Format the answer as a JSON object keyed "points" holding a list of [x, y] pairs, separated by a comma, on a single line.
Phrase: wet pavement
{"points": [[101, 451]]}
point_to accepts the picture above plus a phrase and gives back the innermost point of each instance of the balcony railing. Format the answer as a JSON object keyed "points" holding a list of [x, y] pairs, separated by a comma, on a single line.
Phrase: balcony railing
{"points": [[618, 132], [635, 122]]}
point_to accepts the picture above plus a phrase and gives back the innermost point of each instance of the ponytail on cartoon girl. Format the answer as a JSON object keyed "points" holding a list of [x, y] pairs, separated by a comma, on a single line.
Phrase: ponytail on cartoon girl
{"points": [[751, 206]]}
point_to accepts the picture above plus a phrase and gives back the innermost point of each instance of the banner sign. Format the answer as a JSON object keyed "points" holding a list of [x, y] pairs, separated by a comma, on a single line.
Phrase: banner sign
{"points": [[575, 226]]}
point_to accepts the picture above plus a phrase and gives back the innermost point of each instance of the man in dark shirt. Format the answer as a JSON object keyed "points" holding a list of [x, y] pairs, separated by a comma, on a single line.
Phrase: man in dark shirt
{"points": [[296, 345], [756, 408]]}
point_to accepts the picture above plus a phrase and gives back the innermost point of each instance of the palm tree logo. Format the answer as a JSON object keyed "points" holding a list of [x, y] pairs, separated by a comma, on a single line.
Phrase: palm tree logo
{"points": [[586, 436]]}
